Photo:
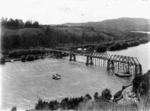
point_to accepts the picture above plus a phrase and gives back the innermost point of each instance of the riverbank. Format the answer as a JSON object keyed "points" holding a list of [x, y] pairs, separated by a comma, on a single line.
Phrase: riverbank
{"points": [[24, 54], [121, 44], [28, 55]]}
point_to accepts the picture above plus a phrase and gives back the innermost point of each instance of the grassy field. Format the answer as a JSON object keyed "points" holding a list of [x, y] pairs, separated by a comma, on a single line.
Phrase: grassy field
{"points": [[23, 31]]}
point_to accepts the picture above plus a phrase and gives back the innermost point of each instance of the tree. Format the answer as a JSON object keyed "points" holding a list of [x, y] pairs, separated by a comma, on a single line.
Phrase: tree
{"points": [[64, 103], [14, 108], [101, 48], [96, 96], [87, 97], [136, 83], [16, 24], [53, 105], [28, 24], [106, 95], [141, 84], [36, 24]]}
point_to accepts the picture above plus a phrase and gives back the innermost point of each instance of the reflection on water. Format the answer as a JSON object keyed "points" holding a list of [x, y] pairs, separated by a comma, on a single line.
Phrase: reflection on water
{"points": [[24, 83]]}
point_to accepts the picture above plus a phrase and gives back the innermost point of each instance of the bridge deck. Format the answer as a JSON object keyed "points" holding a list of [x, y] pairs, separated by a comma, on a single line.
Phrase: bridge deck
{"points": [[106, 56]]}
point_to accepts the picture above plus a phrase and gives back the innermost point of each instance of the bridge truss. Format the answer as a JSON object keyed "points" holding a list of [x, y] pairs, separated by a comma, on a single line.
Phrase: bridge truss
{"points": [[117, 63]]}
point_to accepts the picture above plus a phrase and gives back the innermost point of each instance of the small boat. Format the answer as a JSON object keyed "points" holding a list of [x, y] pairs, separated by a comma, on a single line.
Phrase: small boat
{"points": [[121, 74], [56, 76]]}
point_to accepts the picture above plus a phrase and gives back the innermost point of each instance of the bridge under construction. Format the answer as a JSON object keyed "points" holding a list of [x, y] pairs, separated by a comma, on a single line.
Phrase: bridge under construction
{"points": [[117, 63]]}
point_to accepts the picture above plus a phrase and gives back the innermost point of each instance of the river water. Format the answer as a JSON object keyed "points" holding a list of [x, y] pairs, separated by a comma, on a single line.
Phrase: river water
{"points": [[24, 83]]}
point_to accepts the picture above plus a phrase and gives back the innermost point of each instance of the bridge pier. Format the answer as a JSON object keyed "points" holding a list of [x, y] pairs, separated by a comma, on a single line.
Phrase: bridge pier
{"points": [[140, 68], [110, 65], [89, 60], [72, 57], [104, 61]]}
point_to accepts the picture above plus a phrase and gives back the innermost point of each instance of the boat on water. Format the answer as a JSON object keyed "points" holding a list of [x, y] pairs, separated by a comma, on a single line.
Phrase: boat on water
{"points": [[122, 74], [56, 76]]}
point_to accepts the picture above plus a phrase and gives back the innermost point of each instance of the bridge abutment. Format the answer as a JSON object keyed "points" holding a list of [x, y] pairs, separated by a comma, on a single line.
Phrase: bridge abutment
{"points": [[72, 57], [110, 65]]}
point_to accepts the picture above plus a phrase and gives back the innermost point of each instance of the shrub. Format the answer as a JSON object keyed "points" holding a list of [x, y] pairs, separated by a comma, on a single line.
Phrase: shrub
{"points": [[141, 85], [14, 108], [96, 96], [106, 95], [53, 105], [2, 60], [101, 48]]}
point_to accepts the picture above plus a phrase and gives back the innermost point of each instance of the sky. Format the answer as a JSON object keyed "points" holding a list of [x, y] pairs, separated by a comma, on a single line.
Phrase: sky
{"points": [[76, 11]]}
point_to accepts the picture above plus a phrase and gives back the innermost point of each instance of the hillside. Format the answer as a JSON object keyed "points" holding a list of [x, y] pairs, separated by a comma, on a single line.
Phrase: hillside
{"points": [[121, 24], [23, 31], [73, 34]]}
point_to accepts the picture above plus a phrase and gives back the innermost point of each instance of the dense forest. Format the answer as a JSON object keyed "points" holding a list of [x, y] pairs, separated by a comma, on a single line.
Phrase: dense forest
{"points": [[17, 34]]}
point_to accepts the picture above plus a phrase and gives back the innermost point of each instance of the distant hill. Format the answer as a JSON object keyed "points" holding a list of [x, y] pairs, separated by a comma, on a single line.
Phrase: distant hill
{"points": [[121, 24], [80, 33]]}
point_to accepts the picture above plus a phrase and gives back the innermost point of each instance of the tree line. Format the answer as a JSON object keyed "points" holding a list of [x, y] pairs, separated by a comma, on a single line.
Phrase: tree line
{"points": [[18, 23], [73, 103], [121, 44]]}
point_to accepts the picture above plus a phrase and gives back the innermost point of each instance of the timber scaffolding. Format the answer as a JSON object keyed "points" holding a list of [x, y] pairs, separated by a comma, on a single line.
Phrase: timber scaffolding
{"points": [[117, 63]]}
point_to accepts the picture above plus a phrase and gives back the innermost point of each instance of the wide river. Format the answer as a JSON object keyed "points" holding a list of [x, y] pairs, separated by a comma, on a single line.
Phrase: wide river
{"points": [[24, 83]]}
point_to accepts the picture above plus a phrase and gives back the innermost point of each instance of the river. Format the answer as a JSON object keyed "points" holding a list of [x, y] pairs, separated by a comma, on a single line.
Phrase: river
{"points": [[24, 83]]}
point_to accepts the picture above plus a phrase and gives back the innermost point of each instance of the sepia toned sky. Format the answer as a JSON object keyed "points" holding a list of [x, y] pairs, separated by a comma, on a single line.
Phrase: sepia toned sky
{"points": [[62, 11]]}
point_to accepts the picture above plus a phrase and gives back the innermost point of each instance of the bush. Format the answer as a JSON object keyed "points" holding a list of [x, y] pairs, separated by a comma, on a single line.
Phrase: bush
{"points": [[106, 95], [141, 85], [30, 58], [20, 53], [53, 105], [101, 48], [23, 58], [96, 96], [14, 108], [41, 105], [87, 97], [2, 60]]}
